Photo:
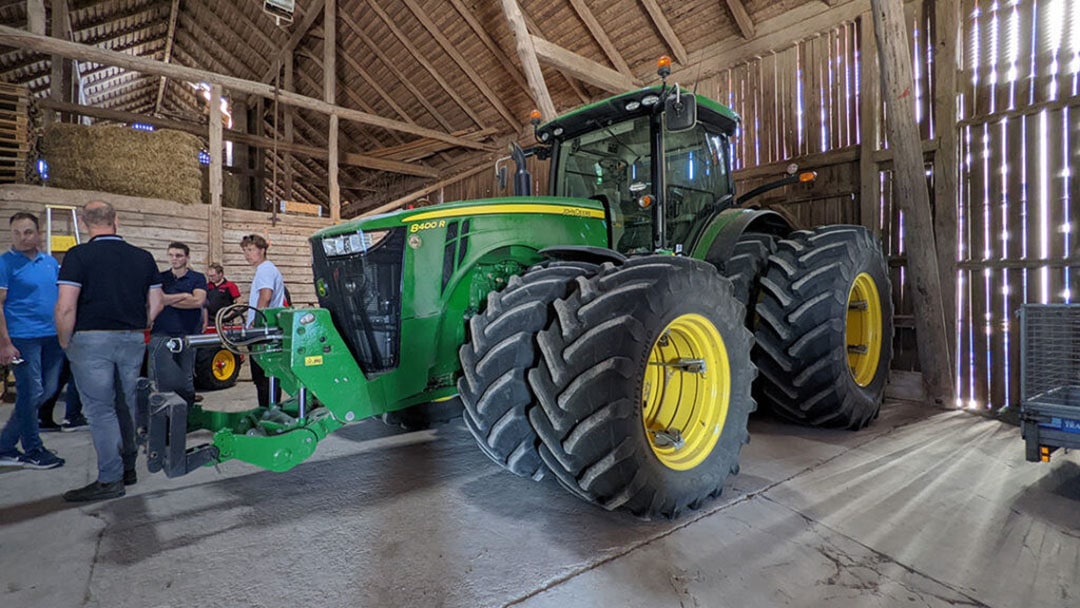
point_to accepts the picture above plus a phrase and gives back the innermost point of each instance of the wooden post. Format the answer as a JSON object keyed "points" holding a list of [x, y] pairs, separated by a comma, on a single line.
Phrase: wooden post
{"points": [[946, 159], [527, 53], [910, 193], [332, 170], [57, 90], [288, 112], [258, 158], [869, 127], [35, 16], [329, 93], [216, 230]]}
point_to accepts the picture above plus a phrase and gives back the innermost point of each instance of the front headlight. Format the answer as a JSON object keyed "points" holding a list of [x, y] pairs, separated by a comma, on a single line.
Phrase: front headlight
{"points": [[357, 242]]}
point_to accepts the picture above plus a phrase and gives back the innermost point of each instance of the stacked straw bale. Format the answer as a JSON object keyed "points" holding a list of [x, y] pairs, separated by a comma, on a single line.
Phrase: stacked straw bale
{"points": [[160, 164]]}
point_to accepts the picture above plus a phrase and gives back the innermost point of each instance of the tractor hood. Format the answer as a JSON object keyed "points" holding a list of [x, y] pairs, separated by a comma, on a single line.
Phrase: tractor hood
{"points": [[421, 217]]}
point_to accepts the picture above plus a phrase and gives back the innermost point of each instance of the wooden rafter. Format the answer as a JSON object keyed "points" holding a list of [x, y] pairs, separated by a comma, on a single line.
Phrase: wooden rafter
{"points": [[492, 47], [466, 66], [583, 68], [210, 43], [351, 94], [405, 41], [742, 18], [141, 32], [140, 14], [398, 75], [21, 39], [601, 37], [250, 27], [666, 31], [174, 9], [527, 53], [574, 85]]}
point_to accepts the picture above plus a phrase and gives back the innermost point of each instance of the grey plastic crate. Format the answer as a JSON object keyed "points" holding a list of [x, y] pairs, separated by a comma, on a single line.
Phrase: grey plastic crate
{"points": [[1049, 377]]}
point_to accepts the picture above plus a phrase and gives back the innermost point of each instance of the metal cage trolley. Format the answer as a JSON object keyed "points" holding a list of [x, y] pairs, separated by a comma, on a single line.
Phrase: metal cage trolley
{"points": [[1049, 378]]}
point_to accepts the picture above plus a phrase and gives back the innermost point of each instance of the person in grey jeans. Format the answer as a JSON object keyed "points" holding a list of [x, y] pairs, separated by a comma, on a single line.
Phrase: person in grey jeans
{"points": [[109, 293]]}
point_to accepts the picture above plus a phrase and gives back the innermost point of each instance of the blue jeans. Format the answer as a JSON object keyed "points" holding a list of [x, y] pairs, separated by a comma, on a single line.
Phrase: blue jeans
{"points": [[171, 371], [106, 365], [35, 380]]}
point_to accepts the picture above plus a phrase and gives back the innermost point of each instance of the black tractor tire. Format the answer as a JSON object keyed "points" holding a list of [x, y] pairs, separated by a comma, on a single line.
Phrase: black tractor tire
{"points": [[618, 349], [423, 416], [819, 285], [746, 266], [210, 377], [500, 351]]}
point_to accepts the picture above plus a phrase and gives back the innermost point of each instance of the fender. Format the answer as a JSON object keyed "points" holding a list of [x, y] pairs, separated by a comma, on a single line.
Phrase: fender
{"points": [[584, 253], [717, 242]]}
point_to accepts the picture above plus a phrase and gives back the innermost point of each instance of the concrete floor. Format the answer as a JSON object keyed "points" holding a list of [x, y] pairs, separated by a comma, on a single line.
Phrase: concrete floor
{"points": [[925, 508]]}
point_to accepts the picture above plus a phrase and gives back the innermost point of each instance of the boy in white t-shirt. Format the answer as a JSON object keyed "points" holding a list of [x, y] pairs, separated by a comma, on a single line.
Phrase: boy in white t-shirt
{"points": [[267, 291]]}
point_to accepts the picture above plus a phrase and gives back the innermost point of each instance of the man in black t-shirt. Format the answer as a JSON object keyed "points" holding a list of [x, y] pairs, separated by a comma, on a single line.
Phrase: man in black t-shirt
{"points": [[184, 296], [110, 292]]}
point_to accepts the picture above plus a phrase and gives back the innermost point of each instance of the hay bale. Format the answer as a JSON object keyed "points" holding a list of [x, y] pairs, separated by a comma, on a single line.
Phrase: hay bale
{"points": [[234, 190], [160, 164]]}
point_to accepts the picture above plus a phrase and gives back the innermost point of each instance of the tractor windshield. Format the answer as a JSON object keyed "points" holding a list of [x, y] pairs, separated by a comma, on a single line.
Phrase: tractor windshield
{"points": [[613, 165]]}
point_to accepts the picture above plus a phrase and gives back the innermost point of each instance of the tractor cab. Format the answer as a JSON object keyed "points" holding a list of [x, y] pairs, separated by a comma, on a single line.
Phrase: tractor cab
{"points": [[659, 159]]}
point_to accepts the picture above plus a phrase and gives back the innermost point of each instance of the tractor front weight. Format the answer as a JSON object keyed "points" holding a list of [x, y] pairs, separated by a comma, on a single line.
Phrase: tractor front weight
{"points": [[298, 348]]}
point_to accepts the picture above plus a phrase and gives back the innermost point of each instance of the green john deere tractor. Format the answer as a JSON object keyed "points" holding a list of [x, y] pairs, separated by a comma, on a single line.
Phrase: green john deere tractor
{"points": [[616, 334]]}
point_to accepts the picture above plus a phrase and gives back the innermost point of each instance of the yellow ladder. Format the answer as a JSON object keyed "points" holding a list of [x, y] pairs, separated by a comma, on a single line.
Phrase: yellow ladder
{"points": [[58, 243]]}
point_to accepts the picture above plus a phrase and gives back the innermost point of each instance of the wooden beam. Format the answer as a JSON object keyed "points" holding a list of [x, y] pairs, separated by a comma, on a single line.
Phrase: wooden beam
{"points": [[947, 55], [742, 18], [527, 54], [21, 39], [869, 126], [582, 68], [301, 30], [353, 160], [910, 194], [59, 31], [601, 37], [35, 16], [406, 41], [330, 51], [466, 66], [496, 51], [216, 232], [575, 86], [174, 10], [287, 159], [666, 31]]}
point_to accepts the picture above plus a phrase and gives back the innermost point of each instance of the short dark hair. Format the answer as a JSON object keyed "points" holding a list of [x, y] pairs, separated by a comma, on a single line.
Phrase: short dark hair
{"points": [[180, 246], [256, 240], [216, 268], [98, 213], [23, 215]]}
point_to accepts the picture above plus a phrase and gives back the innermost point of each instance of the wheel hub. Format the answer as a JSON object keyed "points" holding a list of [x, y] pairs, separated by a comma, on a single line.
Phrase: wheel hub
{"points": [[686, 392], [863, 331]]}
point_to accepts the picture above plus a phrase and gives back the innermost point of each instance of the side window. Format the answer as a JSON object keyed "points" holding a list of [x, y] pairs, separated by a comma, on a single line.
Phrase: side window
{"points": [[696, 174]]}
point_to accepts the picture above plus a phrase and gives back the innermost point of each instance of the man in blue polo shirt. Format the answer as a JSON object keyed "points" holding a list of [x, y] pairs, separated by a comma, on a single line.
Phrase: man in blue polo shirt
{"points": [[109, 294], [184, 295], [28, 339]]}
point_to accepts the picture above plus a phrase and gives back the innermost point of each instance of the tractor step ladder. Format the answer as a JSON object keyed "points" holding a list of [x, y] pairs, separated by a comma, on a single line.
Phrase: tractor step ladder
{"points": [[59, 243]]}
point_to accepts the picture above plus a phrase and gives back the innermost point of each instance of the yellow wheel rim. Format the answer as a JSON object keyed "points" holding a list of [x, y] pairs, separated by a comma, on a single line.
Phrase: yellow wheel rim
{"points": [[224, 365], [686, 392], [864, 329]]}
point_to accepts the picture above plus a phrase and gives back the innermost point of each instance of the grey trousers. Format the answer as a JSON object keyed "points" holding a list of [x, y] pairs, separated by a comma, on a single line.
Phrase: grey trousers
{"points": [[171, 372]]}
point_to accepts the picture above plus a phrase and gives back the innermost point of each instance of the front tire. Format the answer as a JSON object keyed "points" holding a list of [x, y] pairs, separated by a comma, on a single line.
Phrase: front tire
{"points": [[644, 387], [824, 328], [501, 350]]}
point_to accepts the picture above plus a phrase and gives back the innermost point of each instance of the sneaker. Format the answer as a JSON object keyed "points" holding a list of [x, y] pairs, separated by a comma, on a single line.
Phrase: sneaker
{"points": [[41, 459], [130, 477], [48, 426], [11, 459], [96, 491], [79, 424]]}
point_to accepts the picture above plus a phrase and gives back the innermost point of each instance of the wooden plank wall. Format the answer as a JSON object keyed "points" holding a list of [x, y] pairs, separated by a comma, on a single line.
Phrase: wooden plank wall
{"points": [[153, 223], [1020, 196]]}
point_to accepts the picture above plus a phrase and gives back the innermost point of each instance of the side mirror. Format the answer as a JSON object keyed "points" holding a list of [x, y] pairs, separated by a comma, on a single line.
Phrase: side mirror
{"points": [[680, 112]]}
